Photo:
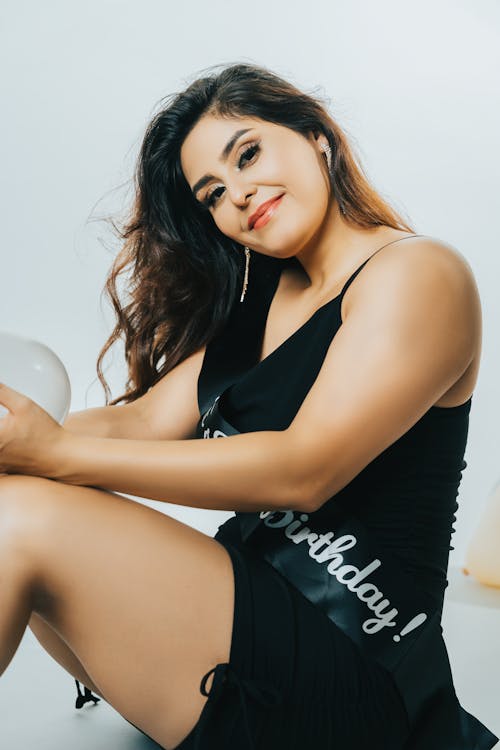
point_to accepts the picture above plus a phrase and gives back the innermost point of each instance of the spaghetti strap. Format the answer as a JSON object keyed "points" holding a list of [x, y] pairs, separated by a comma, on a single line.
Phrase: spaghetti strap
{"points": [[286, 571], [353, 276]]}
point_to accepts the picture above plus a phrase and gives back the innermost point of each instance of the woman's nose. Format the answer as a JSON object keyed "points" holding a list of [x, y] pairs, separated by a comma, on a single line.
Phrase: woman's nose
{"points": [[240, 194]]}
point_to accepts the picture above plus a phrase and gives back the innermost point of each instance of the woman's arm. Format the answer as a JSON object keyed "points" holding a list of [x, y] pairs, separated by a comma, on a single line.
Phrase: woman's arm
{"points": [[167, 411], [394, 356], [106, 422], [250, 472], [143, 449]]}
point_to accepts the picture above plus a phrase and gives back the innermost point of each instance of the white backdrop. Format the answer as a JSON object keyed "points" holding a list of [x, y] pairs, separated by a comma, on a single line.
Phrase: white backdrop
{"points": [[415, 85]]}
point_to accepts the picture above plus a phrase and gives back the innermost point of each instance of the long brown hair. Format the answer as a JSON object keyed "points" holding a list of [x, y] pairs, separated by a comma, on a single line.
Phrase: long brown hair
{"points": [[184, 274]]}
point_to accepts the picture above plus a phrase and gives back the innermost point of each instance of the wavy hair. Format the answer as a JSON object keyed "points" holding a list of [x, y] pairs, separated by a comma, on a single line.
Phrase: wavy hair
{"points": [[184, 274]]}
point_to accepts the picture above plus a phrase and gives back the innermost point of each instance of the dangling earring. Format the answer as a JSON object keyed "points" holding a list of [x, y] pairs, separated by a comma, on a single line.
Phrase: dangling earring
{"points": [[245, 280]]}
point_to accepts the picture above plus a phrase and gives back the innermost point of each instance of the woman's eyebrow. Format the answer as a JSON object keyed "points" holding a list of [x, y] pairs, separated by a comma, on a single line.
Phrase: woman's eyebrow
{"points": [[222, 158]]}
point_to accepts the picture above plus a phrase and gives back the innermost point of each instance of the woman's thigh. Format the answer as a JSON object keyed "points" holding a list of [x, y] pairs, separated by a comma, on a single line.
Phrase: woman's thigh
{"points": [[60, 651], [144, 601]]}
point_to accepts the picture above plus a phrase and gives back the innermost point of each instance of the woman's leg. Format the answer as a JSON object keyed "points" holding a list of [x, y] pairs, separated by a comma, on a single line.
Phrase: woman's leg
{"points": [[143, 601], [60, 651]]}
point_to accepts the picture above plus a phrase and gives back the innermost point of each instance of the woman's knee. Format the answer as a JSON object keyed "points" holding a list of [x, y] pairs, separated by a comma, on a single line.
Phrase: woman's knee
{"points": [[26, 511]]}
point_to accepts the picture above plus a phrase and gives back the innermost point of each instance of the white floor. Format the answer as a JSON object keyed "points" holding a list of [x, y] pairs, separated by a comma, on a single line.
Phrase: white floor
{"points": [[37, 696], [37, 709], [471, 628]]}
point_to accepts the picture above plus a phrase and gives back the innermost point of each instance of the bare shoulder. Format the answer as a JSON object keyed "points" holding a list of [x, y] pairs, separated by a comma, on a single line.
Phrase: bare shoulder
{"points": [[418, 260], [420, 265], [432, 281], [408, 343]]}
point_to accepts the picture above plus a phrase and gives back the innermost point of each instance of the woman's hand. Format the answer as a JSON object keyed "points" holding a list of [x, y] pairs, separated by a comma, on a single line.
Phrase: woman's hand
{"points": [[30, 439]]}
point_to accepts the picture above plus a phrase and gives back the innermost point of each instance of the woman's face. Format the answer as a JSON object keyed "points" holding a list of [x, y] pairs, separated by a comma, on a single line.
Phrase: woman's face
{"points": [[265, 162]]}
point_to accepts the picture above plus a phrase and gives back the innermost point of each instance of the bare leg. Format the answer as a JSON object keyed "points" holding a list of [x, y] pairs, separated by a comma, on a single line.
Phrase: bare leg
{"points": [[16, 597], [61, 652], [144, 602]]}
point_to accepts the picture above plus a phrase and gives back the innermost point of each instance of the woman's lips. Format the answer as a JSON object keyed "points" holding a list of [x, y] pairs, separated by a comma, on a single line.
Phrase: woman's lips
{"points": [[265, 217]]}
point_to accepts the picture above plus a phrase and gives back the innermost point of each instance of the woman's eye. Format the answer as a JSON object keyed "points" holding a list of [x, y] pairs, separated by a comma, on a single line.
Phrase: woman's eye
{"points": [[252, 150], [210, 199], [246, 156]]}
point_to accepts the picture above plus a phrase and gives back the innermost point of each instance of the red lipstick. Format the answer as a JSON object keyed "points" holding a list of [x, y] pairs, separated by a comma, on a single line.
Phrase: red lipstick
{"points": [[264, 212]]}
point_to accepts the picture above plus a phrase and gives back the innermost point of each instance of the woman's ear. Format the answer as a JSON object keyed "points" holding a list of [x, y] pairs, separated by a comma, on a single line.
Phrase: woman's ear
{"points": [[320, 139], [315, 135]]}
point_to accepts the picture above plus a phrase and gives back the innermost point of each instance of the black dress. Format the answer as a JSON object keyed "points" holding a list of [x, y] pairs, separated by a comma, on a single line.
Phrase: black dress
{"points": [[348, 670], [336, 639]]}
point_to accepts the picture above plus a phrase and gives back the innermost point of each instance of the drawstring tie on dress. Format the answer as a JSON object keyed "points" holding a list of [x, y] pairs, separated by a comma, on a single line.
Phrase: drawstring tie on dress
{"points": [[225, 677], [84, 698]]}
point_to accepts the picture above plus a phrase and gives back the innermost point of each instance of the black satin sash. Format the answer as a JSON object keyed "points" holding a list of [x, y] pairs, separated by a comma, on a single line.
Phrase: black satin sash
{"points": [[364, 591]]}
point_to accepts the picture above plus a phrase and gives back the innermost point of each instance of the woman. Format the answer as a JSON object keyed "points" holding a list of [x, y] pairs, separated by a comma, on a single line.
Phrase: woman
{"points": [[342, 384]]}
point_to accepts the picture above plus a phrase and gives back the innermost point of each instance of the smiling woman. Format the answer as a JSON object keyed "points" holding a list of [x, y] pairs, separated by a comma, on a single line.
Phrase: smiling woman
{"points": [[341, 387], [242, 160], [184, 238]]}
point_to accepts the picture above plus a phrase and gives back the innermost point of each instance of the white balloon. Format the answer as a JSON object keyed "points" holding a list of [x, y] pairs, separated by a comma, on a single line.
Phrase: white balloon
{"points": [[482, 559], [32, 368]]}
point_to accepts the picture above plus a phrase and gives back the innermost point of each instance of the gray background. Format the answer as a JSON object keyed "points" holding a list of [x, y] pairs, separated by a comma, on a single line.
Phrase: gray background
{"points": [[415, 85]]}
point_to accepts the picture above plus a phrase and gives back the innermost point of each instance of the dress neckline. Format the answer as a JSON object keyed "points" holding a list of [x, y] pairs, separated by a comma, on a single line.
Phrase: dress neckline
{"points": [[322, 307], [297, 331], [325, 306]]}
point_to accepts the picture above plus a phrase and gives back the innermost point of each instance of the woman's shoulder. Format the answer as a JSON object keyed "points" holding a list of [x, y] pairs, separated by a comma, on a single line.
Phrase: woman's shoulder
{"points": [[438, 254], [423, 262], [433, 284]]}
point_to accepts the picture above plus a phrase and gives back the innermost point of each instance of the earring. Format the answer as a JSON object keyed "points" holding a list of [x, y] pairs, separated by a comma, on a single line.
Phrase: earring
{"points": [[245, 280], [327, 150]]}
